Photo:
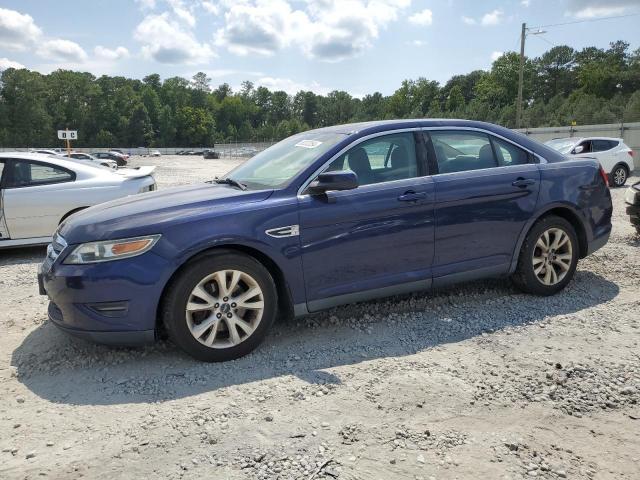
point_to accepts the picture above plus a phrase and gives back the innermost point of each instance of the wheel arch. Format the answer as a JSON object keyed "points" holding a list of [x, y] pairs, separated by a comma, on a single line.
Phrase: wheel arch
{"points": [[564, 211], [71, 212], [285, 300]]}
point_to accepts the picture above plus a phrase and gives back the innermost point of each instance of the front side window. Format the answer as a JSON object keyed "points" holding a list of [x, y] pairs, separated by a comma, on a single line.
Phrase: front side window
{"points": [[27, 174], [459, 151], [381, 159], [586, 146]]}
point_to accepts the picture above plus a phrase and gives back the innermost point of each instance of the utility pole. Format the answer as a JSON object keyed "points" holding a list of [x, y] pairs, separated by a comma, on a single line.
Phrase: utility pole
{"points": [[523, 35]]}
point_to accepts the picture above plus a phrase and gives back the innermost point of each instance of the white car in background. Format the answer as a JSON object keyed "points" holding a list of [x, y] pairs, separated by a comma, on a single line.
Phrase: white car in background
{"points": [[105, 162], [615, 157], [38, 191]]}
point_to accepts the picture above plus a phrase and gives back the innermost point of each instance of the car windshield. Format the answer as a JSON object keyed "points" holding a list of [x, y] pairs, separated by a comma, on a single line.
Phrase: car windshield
{"points": [[276, 166], [562, 145]]}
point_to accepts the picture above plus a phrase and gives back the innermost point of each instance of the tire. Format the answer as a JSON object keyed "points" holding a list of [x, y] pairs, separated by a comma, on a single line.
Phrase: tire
{"points": [[197, 287], [619, 176], [531, 273]]}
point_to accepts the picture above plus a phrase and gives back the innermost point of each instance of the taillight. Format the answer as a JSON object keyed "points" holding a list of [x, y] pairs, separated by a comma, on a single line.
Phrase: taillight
{"points": [[604, 176], [630, 152]]}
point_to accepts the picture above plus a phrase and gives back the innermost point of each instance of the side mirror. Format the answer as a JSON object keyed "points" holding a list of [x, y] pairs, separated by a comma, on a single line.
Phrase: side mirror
{"points": [[328, 181], [578, 149]]}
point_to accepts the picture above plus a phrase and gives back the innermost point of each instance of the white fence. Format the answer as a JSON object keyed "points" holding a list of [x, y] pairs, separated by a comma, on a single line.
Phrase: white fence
{"points": [[629, 132]]}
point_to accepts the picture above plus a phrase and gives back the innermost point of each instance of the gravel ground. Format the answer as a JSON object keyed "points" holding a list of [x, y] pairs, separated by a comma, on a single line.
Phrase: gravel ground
{"points": [[475, 381]]}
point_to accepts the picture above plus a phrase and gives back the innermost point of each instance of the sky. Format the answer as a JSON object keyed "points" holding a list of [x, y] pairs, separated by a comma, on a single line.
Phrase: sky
{"points": [[360, 46]]}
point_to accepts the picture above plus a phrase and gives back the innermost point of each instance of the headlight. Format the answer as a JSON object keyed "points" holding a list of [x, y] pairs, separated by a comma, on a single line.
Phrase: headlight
{"points": [[95, 252]]}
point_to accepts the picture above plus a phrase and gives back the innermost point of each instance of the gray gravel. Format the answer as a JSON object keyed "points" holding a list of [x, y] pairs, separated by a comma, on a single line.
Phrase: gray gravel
{"points": [[475, 381]]}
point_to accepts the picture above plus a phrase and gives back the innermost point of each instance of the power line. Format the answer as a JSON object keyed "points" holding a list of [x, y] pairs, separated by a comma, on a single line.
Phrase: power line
{"points": [[584, 21]]}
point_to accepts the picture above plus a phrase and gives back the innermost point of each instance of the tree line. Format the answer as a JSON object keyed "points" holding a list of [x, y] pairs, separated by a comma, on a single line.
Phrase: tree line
{"points": [[561, 87]]}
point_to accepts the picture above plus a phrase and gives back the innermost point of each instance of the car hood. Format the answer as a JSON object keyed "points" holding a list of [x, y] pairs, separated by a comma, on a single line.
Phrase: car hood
{"points": [[148, 213]]}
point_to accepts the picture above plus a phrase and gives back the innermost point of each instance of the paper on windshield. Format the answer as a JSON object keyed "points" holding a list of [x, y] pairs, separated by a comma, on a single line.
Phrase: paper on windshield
{"points": [[308, 143]]}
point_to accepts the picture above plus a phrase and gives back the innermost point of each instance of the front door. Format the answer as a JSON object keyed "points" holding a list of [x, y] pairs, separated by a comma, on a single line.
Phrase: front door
{"points": [[376, 239], [34, 198], [4, 231], [486, 191]]}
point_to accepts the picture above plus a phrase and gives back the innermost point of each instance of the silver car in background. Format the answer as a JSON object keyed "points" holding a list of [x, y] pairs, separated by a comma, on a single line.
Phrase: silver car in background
{"points": [[38, 191]]}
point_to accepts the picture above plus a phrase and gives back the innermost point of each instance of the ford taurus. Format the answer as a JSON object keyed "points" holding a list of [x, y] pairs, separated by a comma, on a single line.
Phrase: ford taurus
{"points": [[326, 217]]}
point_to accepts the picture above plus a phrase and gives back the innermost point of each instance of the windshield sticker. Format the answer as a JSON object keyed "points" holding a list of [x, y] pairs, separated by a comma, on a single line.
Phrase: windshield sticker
{"points": [[308, 143]]}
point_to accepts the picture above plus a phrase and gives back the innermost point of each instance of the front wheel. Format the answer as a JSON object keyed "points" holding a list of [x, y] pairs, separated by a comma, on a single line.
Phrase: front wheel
{"points": [[220, 306], [548, 257], [619, 176]]}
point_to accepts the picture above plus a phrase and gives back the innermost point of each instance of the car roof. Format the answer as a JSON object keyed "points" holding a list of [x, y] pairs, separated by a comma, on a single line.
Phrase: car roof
{"points": [[367, 128], [52, 159]]}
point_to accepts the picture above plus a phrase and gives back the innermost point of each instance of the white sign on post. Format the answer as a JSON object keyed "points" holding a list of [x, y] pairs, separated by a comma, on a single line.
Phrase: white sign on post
{"points": [[68, 134]]}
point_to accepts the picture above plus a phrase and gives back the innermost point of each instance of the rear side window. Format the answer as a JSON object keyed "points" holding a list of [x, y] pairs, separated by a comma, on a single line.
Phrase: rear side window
{"points": [[509, 154], [603, 145], [28, 174], [459, 151]]}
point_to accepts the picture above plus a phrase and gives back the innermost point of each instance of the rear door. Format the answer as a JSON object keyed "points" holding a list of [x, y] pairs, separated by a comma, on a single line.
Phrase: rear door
{"points": [[36, 196], [486, 190]]}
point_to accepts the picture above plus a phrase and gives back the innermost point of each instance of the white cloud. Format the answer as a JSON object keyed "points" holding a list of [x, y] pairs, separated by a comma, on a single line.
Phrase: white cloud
{"points": [[525, 3], [417, 43], [496, 55], [6, 63], [182, 12], [597, 8], [110, 54], [423, 18], [290, 86], [330, 30], [263, 27], [210, 7], [61, 50], [492, 18], [17, 31], [489, 19], [147, 4], [168, 41]]}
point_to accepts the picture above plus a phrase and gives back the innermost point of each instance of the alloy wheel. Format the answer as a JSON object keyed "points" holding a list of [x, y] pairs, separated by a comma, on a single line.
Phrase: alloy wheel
{"points": [[552, 256], [619, 176], [224, 308]]}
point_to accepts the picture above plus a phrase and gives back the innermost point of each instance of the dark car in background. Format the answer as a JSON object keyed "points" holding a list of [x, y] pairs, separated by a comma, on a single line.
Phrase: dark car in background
{"points": [[324, 218], [210, 154], [632, 200], [119, 158]]}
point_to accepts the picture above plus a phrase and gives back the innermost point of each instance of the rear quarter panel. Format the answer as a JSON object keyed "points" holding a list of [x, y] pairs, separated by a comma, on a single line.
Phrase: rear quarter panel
{"points": [[575, 185]]}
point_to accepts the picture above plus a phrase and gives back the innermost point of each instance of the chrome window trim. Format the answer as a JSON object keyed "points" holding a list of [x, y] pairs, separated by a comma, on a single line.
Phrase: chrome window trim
{"points": [[541, 160], [319, 170]]}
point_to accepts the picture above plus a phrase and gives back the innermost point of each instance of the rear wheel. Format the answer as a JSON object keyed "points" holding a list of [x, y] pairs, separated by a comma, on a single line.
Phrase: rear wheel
{"points": [[220, 307], [619, 176], [548, 257]]}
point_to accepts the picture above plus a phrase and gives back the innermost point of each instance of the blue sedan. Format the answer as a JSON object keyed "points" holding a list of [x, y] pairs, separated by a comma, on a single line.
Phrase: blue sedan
{"points": [[326, 217]]}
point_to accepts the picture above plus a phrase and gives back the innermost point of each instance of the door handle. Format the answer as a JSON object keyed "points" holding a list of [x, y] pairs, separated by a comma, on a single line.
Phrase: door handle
{"points": [[523, 182], [411, 196]]}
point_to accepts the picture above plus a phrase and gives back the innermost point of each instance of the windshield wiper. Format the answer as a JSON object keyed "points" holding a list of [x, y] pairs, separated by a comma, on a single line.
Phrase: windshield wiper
{"points": [[229, 181]]}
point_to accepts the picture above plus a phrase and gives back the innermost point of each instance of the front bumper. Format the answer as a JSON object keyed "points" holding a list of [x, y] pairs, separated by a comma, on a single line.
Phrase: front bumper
{"points": [[113, 303]]}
